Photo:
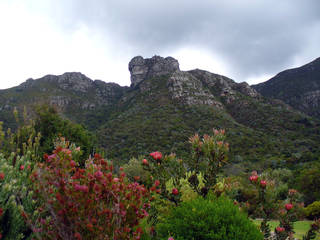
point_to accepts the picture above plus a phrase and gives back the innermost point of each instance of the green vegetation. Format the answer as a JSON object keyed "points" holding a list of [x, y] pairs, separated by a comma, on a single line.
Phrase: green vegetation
{"points": [[51, 126], [312, 211], [208, 219]]}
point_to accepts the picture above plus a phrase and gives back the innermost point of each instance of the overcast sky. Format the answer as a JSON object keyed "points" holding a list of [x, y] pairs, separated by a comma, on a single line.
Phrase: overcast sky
{"points": [[246, 40]]}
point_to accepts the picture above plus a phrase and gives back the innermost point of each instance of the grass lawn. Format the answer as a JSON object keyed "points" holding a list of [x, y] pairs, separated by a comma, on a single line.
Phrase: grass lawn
{"points": [[300, 227]]}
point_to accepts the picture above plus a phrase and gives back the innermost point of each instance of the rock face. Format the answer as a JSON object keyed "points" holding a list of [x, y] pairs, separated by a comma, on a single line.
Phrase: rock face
{"points": [[141, 69], [223, 87], [192, 87], [298, 87], [70, 80], [184, 87]]}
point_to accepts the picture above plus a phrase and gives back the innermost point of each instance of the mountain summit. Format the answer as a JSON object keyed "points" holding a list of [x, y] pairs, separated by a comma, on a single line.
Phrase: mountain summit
{"points": [[141, 69], [298, 87]]}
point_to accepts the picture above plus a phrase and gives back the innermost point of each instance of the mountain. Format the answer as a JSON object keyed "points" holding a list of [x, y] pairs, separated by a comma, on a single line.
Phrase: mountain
{"points": [[76, 96], [164, 106], [298, 87]]}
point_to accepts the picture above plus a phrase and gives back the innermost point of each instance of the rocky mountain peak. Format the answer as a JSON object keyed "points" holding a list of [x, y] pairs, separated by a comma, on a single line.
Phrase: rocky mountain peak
{"points": [[73, 80], [141, 69]]}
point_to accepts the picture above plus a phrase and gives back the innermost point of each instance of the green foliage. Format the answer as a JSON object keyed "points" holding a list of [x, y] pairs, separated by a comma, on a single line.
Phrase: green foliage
{"points": [[308, 182], [312, 211], [52, 126], [23, 139], [206, 219], [16, 196], [135, 172]]}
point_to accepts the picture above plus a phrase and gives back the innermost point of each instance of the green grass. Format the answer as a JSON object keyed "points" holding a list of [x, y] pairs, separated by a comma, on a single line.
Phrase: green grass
{"points": [[300, 227]]}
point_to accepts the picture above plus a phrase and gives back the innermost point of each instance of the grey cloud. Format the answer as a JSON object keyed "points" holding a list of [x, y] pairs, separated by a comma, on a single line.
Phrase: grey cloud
{"points": [[253, 37]]}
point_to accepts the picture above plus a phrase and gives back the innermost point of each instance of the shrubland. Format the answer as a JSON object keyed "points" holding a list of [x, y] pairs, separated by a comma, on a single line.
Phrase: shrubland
{"points": [[54, 185]]}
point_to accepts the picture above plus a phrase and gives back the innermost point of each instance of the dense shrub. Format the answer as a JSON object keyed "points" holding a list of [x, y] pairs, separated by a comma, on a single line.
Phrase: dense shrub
{"points": [[15, 196], [308, 182], [208, 219], [86, 203], [313, 210], [52, 126]]}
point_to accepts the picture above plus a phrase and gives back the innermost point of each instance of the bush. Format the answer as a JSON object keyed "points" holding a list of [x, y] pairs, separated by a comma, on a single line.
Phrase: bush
{"points": [[313, 210], [15, 196], [209, 219], [86, 203]]}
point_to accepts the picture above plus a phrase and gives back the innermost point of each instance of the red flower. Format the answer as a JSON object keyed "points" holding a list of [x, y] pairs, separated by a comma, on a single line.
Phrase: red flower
{"points": [[145, 162], [175, 191], [1, 212], [263, 183], [22, 167], [156, 155], [72, 163], [279, 229], [253, 178], [288, 206], [157, 183], [1, 176]]}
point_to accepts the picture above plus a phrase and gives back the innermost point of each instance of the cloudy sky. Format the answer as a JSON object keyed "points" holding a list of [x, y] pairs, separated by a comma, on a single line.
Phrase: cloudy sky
{"points": [[247, 40]]}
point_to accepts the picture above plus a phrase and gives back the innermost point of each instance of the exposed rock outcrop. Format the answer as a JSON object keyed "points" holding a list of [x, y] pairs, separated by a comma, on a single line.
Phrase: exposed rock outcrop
{"points": [[222, 86], [185, 87], [141, 69]]}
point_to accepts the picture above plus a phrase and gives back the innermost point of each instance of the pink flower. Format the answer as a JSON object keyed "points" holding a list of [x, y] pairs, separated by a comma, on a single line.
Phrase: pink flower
{"points": [[98, 174], [22, 167], [116, 179], [145, 162], [157, 183], [170, 238], [51, 157], [175, 191], [279, 229], [156, 155], [263, 183], [1, 176], [288, 206], [253, 178]]}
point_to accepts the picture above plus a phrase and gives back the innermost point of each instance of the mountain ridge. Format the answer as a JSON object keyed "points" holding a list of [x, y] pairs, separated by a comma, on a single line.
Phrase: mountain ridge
{"points": [[164, 106], [298, 87]]}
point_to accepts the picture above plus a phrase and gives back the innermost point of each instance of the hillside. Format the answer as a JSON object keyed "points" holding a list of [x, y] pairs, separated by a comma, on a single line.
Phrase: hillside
{"points": [[75, 96], [298, 87], [164, 106]]}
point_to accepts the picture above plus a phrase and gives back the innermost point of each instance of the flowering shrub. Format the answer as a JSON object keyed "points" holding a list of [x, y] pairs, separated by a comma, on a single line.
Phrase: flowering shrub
{"points": [[287, 212], [15, 196], [209, 155], [180, 180], [86, 203], [18, 152]]}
